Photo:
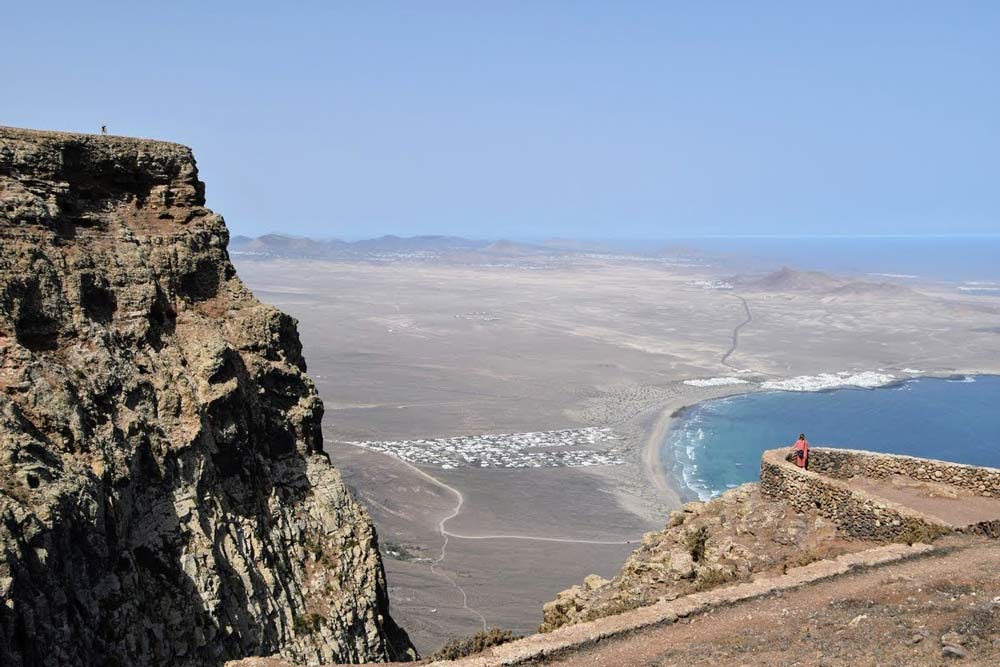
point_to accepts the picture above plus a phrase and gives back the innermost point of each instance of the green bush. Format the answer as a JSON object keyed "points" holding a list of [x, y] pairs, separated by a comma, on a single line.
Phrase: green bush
{"points": [[308, 624]]}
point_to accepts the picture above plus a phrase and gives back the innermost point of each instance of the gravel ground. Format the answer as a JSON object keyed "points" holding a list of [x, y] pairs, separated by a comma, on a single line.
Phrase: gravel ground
{"points": [[912, 613]]}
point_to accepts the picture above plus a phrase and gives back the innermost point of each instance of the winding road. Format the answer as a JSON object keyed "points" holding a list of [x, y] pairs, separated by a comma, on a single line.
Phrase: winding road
{"points": [[446, 535], [736, 333]]}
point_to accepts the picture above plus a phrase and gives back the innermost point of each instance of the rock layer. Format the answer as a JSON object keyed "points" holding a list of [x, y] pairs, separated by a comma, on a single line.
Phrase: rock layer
{"points": [[164, 495]]}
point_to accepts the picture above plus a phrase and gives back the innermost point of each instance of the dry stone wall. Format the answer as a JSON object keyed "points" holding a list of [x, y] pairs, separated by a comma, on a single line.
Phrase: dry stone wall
{"points": [[854, 512], [845, 463]]}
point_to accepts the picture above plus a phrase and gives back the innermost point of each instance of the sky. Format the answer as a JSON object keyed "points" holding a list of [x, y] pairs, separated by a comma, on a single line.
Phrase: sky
{"points": [[534, 119]]}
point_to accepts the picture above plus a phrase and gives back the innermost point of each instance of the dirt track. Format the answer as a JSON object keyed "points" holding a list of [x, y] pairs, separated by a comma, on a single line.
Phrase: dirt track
{"points": [[872, 618]]}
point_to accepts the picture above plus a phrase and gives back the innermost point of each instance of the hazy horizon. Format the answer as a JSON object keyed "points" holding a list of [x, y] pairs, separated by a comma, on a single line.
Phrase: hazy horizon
{"points": [[573, 120]]}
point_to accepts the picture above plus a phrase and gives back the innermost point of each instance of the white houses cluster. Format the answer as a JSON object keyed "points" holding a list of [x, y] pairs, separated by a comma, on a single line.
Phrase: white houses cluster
{"points": [[538, 449]]}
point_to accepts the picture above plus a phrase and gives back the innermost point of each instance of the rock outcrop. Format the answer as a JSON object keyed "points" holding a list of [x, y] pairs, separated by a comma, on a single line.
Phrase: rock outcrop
{"points": [[164, 495], [735, 537]]}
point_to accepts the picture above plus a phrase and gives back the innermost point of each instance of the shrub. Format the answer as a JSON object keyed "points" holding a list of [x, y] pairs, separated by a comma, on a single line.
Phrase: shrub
{"points": [[307, 624], [711, 577], [397, 551], [919, 533], [695, 542], [614, 607], [477, 643]]}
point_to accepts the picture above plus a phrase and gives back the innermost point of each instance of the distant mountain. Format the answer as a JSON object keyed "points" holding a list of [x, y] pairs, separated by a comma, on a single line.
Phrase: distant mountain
{"points": [[279, 245], [514, 249], [793, 280], [453, 248], [283, 246], [428, 243]]}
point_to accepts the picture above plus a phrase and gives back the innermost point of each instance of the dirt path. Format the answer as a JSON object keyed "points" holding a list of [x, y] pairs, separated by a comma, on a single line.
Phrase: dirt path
{"points": [[952, 505], [446, 535], [893, 615], [736, 333]]}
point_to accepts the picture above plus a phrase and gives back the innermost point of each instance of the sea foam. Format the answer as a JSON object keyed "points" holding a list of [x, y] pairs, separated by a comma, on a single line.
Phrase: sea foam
{"points": [[823, 381]]}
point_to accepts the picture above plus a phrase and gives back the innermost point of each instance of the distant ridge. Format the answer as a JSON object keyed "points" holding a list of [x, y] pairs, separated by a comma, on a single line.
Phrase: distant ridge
{"points": [[456, 248], [787, 279], [793, 280], [280, 245]]}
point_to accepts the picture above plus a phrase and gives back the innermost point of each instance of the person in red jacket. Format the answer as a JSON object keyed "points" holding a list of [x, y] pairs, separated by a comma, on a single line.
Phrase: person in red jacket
{"points": [[802, 451]]}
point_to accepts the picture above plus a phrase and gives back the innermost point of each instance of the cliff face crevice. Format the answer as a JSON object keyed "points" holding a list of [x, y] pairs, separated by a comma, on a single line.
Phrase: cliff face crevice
{"points": [[164, 496]]}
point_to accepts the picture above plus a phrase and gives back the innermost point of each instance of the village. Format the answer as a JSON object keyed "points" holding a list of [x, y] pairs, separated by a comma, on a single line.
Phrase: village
{"points": [[563, 448]]}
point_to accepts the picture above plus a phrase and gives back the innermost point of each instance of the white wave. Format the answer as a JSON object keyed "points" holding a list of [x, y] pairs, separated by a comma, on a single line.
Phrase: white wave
{"points": [[715, 382], [865, 379], [685, 444], [963, 379]]}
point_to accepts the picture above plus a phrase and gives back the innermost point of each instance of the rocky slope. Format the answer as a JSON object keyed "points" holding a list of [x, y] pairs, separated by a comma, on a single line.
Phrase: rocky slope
{"points": [[730, 538], [164, 495]]}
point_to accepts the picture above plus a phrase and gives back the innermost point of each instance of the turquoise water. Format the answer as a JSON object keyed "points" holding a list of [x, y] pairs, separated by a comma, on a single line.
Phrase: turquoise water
{"points": [[717, 444]]}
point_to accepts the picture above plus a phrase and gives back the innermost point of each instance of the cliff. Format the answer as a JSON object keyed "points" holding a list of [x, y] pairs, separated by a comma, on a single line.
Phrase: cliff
{"points": [[738, 536], [164, 495]]}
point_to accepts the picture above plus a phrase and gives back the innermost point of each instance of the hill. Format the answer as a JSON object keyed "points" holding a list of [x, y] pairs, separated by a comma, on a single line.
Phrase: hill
{"points": [[792, 280]]}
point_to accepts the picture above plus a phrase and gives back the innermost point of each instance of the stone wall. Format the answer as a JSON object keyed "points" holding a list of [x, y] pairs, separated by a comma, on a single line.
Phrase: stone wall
{"points": [[845, 463], [854, 512]]}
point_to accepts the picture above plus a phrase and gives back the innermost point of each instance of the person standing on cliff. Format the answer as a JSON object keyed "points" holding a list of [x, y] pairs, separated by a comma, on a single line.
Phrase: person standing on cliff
{"points": [[801, 447]]}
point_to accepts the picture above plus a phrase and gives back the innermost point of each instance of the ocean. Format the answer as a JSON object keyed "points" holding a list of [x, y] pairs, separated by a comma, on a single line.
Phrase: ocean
{"points": [[969, 260], [716, 445]]}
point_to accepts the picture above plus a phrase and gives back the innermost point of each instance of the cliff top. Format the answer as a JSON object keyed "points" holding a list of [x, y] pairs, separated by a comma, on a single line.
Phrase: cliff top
{"points": [[60, 176], [105, 140]]}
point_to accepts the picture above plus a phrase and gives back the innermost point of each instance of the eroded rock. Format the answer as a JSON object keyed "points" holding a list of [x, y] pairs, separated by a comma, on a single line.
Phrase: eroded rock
{"points": [[164, 495]]}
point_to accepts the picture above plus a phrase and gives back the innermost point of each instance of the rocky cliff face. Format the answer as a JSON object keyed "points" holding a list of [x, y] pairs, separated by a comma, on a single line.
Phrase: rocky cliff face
{"points": [[164, 495]]}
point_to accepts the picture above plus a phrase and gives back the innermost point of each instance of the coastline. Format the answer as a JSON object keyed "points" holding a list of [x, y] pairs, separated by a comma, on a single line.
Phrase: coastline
{"points": [[652, 461], [674, 489], [671, 489]]}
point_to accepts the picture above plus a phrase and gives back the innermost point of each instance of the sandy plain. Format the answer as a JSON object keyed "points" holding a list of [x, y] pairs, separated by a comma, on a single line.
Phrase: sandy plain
{"points": [[405, 350]]}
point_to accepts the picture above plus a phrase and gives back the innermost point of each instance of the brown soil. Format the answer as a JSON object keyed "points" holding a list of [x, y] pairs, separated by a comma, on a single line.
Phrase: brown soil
{"points": [[953, 505], [893, 615]]}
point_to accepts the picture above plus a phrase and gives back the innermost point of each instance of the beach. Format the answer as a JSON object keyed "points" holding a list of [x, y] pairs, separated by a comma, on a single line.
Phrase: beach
{"points": [[960, 410], [428, 352]]}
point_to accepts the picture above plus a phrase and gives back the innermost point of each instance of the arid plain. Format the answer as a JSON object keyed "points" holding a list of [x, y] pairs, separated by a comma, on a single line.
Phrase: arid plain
{"points": [[406, 350]]}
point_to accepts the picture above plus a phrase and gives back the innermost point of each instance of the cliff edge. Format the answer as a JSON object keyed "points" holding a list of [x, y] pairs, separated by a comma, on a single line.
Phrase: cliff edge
{"points": [[164, 495]]}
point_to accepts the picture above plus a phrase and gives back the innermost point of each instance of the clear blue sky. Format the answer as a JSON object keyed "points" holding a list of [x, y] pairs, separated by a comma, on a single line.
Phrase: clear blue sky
{"points": [[529, 119]]}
